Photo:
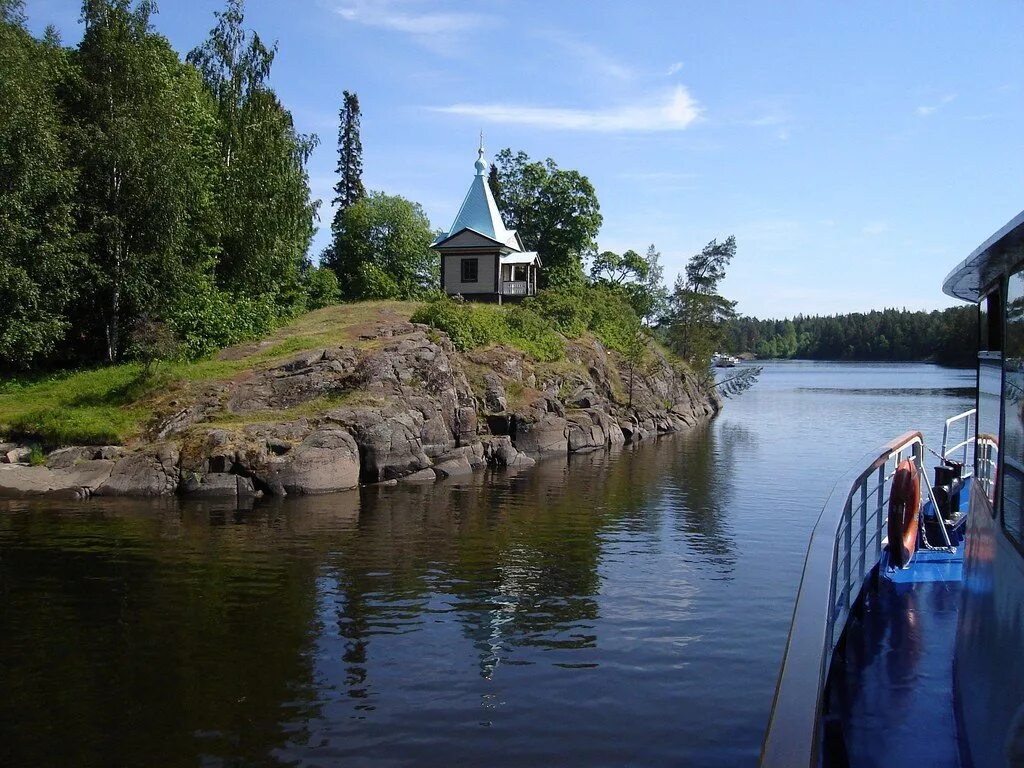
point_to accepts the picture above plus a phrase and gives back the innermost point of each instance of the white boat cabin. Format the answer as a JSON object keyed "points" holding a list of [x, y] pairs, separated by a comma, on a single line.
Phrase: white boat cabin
{"points": [[481, 259]]}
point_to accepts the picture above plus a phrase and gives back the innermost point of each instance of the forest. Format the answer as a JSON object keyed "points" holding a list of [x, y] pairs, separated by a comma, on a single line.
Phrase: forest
{"points": [[146, 197], [944, 336]]}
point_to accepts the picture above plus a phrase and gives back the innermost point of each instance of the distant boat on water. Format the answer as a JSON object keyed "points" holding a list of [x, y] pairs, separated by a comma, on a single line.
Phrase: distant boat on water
{"points": [[721, 360]]}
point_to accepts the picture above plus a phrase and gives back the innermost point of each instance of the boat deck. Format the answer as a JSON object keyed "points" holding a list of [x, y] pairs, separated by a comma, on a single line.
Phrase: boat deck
{"points": [[891, 684]]}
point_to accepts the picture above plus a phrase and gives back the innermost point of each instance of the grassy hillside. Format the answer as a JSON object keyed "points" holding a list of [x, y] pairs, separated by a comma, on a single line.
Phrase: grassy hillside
{"points": [[116, 404], [113, 404]]}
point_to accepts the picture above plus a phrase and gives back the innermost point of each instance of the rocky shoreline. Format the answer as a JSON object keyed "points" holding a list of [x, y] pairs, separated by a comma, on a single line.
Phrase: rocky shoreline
{"points": [[401, 405]]}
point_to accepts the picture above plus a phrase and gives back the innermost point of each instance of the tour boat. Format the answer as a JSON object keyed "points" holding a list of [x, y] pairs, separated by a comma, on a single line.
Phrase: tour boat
{"points": [[907, 637]]}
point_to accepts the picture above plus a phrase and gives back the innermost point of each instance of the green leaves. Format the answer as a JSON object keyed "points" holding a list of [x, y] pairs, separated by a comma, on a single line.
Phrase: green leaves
{"points": [[555, 212], [40, 256], [382, 250], [266, 214], [638, 279], [697, 312], [134, 185]]}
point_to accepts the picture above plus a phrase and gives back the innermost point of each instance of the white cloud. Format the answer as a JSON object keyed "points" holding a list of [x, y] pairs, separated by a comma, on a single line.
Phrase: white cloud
{"points": [[411, 17], [673, 68], [673, 111], [876, 228], [927, 110], [594, 59]]}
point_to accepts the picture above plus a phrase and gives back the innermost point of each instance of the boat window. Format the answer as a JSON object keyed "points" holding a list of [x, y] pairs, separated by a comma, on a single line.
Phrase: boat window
{"points": [[1013, 410], [990, 331]]}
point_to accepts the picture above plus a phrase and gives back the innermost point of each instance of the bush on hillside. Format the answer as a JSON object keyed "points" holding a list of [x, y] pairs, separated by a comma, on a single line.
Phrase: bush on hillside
{"points": [[215, 319], [478, 325], [601, 310], [534, 326], [321, 286]]}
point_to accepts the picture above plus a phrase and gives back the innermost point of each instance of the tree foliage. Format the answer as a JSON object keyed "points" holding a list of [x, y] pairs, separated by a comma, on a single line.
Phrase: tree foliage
{"points": [[349, 188], [554, 210], [638, 278], [138, 186], [383, 250], [264, 199], [40, 258], [697, 312], [148, 179]]}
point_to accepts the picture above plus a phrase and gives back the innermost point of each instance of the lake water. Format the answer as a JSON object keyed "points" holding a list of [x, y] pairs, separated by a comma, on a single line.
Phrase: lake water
{"points": [[612, 609]]}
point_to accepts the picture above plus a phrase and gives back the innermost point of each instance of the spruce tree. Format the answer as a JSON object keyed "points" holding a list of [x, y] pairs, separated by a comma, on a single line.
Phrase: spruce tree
{"points": [[349, 188]]}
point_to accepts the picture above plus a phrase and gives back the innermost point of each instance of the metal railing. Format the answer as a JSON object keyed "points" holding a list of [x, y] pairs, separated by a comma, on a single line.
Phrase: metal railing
{"points": [[965, 446], [516, 288], [845, 545], [986, 455]]}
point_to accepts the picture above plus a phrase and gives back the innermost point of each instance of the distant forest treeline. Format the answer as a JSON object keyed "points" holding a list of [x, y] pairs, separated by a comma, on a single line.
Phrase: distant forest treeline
{"points": [[948, 336]]}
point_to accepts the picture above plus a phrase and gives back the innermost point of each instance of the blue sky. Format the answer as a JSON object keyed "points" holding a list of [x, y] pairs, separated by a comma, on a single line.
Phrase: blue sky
{"points": [[857, 151]]}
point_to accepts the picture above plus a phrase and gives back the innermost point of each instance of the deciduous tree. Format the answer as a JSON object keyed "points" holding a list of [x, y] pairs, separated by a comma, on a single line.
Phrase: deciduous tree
{"points": [[267, 216], [146, 142], [40, 258], [384, 250], [554, 210]]}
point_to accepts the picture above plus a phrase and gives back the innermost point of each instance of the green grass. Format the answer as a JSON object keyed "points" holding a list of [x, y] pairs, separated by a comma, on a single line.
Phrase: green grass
{"points": [[113, 404], [95, 406]]}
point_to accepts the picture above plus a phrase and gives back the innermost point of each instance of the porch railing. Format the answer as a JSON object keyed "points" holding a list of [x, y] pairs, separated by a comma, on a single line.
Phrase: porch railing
{"points": [[516, 288], [845, 545]]}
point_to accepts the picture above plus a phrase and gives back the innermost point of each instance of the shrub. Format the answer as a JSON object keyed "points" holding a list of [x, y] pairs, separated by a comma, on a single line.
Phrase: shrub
{"points": [[321, 286], [216, 319], [602, 311], [456, 319], [152, 342], [568, 310], [533, 334], [478, 325], [613, 320], [36, 456]]}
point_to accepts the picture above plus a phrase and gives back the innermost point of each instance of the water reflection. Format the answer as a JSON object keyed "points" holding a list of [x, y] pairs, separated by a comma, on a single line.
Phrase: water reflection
{"points": [[165, 632]]}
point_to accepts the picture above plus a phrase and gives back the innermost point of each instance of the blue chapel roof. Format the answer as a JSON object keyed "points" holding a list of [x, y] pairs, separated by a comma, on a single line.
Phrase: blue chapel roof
{"points": [[479, 211]]}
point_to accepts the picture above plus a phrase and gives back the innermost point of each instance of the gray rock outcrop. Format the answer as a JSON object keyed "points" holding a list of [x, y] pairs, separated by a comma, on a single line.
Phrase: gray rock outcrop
{"points": [[147, 473], [324, 462], [398, 405]]}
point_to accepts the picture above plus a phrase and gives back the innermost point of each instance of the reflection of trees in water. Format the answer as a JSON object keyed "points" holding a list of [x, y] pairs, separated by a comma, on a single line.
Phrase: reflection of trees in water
{"points": [[144, 635], [518, 557], [142, 625], [702, 476], [516, 560]]}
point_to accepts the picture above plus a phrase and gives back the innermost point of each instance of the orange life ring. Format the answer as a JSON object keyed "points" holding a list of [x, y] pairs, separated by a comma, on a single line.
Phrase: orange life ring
{"points": [[904, 500]]}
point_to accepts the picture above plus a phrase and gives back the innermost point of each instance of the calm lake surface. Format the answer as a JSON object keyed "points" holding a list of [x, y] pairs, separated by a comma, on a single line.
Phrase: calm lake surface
{"points": [[613, 609]]}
